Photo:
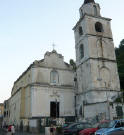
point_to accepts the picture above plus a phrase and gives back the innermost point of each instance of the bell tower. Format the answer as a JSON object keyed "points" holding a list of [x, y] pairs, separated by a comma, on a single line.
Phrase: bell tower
{"points": [[97, 74]]}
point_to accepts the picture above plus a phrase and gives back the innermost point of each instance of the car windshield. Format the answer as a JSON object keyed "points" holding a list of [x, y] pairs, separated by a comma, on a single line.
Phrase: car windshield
{"points": [[72, 125], [104, 125], [65, 125], [111, 124], [87, 125]]}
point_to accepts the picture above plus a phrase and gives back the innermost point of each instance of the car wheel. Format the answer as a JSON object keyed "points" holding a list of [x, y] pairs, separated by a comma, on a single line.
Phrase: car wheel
{"points": [[92, 134], [74, 134]]}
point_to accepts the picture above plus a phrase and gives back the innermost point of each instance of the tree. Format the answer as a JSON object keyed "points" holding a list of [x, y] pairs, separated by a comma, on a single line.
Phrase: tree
{"points": [[73, 64], [120, 62]]}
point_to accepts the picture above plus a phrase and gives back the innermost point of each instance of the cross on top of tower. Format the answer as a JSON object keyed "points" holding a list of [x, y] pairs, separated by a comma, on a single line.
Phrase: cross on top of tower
{"points": [[53, 46], [89, 1]]}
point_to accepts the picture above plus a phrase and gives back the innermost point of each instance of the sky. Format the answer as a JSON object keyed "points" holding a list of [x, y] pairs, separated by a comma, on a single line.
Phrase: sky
{"points": [[28, 28]]}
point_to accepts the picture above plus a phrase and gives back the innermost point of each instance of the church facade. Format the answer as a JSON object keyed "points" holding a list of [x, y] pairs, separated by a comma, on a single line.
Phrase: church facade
{"points": [[44, 92]]}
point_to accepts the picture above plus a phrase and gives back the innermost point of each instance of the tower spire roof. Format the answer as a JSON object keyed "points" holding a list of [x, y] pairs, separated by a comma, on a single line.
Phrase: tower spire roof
{"points": [[89, 1]]}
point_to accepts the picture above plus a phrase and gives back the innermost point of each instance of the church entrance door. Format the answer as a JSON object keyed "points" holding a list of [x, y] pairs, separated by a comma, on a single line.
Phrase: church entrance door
{"points": [[54, 109]]}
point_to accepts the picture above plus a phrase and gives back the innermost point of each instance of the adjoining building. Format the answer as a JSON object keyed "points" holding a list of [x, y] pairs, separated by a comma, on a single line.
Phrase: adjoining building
{"points": [[1, 113], [1, 109], [6, 114], [44, 92]]}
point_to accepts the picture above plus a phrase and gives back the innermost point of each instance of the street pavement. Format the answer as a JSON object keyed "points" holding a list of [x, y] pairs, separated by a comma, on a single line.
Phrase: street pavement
{"points": [[2, 132], [18, 133]]}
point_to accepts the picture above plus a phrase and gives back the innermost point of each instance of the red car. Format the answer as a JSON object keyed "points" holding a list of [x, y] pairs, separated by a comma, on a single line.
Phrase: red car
{"points": [[91, 131]]}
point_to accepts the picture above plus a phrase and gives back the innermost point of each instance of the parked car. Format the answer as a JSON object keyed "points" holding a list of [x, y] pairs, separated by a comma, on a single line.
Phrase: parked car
{"points": [[113, 126], [121, 132], [75, 128], [91, 131], [65, 125]]}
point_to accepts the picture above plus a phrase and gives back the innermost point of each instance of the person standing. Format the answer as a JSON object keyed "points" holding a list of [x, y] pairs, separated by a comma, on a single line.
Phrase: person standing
{"points": [[13, 129], [52, 130]]}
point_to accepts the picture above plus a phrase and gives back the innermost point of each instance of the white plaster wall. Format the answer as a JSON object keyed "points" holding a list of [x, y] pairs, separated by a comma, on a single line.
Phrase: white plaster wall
{"points": [[84, 77], [27, 102], [53, 59], [14, 103], [22, 82], [42, 75], [106, 48], [97, 80], [95, 96], [104, 110], [42, 96], [96, 109]]}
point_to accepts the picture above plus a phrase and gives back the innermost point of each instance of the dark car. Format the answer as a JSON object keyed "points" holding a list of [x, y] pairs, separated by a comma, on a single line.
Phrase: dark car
{"points": [[65, 125], [75, 128]]}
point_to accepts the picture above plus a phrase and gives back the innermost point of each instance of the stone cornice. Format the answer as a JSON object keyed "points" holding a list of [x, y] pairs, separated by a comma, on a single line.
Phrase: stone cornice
{"points": [[99, 59], [39, 66], [86, 15], [45, 85], [53, 86], [99, 35], [97, 90]]}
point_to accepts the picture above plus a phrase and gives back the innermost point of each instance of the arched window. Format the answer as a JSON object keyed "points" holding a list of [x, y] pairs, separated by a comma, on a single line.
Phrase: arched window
{"points": [[95, 10], [80, 31], [98, 27], [81, 51], [54, 77]]}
